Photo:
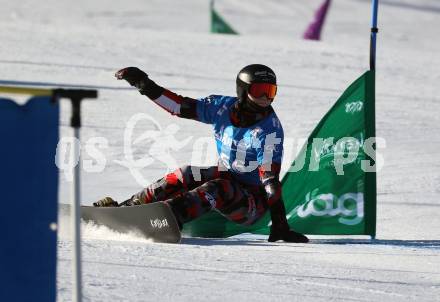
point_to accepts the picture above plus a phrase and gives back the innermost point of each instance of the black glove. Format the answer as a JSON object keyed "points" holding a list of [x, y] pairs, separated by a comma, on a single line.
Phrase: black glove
{"points": [[133, 75], [279, 229], [139, 79], [287, 236]]}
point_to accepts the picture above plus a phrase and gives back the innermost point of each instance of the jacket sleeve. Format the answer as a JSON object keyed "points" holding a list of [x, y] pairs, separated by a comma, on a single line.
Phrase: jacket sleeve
{"points": [[270, 180], [272, 186], [171, 102]]}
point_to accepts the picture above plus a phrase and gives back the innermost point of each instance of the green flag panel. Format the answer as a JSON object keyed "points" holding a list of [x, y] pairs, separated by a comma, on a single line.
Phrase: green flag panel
{"points": [[328, 192]]}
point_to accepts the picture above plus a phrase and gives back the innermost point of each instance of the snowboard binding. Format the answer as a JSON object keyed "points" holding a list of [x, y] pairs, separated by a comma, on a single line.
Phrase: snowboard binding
{"points": [[109, 202], [106, 202]]}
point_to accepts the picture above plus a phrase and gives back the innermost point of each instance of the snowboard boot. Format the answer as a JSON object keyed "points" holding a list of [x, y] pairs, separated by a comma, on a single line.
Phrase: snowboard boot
{"points": [[106, 202]]}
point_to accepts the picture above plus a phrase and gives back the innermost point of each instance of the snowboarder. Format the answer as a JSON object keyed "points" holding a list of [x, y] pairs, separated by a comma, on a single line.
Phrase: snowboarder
{"points": [[249, 137]]}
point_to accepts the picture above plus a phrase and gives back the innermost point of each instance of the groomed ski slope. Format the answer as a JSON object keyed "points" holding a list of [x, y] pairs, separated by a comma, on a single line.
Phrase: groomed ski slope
{"points": [[59, 43]]}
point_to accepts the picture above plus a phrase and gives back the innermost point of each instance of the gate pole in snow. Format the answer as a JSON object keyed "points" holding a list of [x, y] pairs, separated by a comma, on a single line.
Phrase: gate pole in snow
{"points": [[374, 31], [76, 96]]}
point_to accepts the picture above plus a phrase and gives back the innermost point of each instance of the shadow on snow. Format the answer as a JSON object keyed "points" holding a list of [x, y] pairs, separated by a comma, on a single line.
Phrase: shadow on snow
{"points": [[428, 244]]}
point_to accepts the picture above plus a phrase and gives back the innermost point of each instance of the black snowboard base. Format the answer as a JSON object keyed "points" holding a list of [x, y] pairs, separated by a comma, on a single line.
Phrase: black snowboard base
{"points": [[153, 221]]}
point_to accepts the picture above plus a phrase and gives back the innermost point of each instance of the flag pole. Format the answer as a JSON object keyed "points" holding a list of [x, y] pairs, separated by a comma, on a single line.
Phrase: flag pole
{"points": [[374, 31], [371, 178]]}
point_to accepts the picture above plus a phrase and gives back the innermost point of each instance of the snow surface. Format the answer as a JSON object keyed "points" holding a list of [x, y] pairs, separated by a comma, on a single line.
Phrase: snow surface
{"points": [[82, 43]]}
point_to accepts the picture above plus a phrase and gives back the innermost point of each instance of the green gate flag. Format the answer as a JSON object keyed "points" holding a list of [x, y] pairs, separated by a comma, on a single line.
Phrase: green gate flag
{"points": [[331, 194], [327, 190], [218, 24]]}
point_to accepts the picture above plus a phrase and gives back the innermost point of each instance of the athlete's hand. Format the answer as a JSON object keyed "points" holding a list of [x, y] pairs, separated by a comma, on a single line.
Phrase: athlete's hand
{"points": [[287, 236], [134, 76]]}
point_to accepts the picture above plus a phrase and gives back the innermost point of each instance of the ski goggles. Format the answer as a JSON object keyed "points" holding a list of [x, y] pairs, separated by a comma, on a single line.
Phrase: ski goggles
{"points": [[257, 90]]}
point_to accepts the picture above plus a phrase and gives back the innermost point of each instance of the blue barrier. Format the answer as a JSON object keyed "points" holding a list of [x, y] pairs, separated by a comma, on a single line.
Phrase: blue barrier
{"points": [[28, 195]]}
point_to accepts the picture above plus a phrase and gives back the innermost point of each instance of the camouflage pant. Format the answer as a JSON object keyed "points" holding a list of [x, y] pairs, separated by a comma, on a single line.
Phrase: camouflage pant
{"points": [[193, 191]]}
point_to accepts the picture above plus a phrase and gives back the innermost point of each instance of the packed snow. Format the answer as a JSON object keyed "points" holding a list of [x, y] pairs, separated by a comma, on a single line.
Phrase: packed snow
{"points": [[81, 44]]}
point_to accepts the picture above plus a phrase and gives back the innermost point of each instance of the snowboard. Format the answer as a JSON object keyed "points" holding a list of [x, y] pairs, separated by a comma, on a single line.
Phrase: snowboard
{"points": [[153, 221]]}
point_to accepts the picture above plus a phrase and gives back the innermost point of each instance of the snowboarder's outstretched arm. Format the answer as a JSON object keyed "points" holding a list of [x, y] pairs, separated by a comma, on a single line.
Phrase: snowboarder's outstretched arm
{"points": [[175, 104], [279, 229]]}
